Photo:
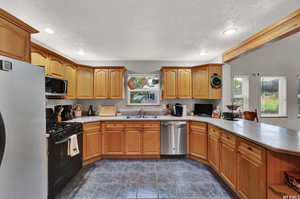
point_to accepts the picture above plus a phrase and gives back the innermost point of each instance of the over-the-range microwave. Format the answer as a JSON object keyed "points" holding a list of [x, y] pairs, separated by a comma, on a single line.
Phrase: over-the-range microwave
{"points": [[55, 86]]}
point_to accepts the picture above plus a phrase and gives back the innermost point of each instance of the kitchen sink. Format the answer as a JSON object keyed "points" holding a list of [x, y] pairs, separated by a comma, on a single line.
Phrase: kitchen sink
{"points": [[141, 116]]}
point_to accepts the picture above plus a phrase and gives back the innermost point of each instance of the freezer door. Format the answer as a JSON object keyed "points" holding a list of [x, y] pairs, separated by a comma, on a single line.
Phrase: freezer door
{"points": [[23, 171]]}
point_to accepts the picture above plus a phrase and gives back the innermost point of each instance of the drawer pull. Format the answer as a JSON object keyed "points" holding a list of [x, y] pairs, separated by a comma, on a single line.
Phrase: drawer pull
{"points": [[228, 138], [250, 149]]}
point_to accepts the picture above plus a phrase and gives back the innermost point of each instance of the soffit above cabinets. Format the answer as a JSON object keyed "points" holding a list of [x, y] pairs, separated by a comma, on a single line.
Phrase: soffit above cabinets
{"points": [[146, 30]]}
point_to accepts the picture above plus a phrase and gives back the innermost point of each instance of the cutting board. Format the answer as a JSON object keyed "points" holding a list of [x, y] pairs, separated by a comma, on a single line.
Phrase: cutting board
{"points": [[108, 111]]}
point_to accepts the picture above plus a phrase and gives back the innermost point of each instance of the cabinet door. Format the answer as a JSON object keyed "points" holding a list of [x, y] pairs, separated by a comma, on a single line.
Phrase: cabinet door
{"points": [[215, 93], [39, 58], [113, 142], [56, 67], [200, 83], [151, 142], [228, 164], [214, 151], [198, 144], [170, 84], [116, 81], [14, 41], [92, 143], [184, 83], [133, 142], [70, 75], [101, 83], [85, 83]]}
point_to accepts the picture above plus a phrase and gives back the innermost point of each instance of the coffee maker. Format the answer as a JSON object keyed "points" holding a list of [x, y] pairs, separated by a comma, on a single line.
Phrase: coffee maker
{"points": [[177, 110]]}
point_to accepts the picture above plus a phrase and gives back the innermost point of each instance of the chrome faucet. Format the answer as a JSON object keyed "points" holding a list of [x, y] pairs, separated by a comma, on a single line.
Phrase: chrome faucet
{"points": [[141, 113]]}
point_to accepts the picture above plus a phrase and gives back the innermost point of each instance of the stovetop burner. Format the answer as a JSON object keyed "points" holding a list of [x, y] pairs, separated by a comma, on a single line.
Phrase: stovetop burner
{"points": [[62, 128]]}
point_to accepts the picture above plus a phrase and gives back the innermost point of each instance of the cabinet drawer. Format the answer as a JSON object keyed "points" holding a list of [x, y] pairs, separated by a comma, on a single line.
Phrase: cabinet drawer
{"points": [[214, 131], [93, 126], [228, 139], [198, 126], [134, 125], [252, 151], [114, 126], [152, 125]]}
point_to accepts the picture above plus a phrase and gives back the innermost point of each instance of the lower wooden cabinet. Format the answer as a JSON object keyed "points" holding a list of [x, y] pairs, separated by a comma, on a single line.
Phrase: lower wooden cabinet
{"points": [[228, 159], [151, 142], [198, 139], [214, 147], [251, 171], [113, 142], [92, 141], [133, 142]]}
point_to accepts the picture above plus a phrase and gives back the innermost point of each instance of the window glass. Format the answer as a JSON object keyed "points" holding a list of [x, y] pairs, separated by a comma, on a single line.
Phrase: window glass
{"points": [[273, 96], [240, 92]]}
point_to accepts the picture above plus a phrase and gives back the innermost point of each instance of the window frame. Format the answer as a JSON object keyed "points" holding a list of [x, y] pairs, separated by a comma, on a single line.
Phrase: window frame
{"points": [[245, 91], [282, 112]]}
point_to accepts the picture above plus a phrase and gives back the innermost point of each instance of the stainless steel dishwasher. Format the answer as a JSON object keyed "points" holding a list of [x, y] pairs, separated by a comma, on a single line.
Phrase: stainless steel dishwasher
{"points": [[173, 138]]}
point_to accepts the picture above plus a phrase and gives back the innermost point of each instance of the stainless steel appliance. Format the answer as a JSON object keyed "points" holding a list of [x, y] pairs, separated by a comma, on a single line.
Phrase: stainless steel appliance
{"points": [[23, 169], [173, 138], [177, 110], [56, 87]]}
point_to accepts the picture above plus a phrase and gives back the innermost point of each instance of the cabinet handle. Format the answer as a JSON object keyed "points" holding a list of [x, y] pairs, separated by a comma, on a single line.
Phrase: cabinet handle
{"points": [[250, 149], [228, 138]]}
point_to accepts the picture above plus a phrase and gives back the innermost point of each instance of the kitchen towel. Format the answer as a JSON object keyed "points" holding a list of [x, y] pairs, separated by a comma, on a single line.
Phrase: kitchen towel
{"points": [[73, 148]]}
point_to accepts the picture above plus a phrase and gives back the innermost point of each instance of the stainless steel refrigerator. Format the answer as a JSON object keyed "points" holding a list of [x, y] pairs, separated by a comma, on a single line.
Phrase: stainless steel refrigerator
{"points": [[23, 146]]}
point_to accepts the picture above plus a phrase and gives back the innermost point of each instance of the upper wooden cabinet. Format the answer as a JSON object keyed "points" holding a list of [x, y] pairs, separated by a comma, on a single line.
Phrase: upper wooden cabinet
{"points": [[85, 83], [202, 87], [200, 82], [39, 58], [169, 83], [70, 75], [56, 67], [109, 83], [15, 37], [116, 77], [101, 83], [177, 83], [184, 83]]}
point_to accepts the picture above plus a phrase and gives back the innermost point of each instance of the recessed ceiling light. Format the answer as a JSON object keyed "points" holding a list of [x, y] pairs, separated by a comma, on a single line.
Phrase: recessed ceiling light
{"points": [[230, 31], [81, 52], [49, 30], [202, 53]]}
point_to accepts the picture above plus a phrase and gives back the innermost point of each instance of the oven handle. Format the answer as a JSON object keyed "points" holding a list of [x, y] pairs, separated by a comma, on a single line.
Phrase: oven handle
{"points": [[66, 139]]}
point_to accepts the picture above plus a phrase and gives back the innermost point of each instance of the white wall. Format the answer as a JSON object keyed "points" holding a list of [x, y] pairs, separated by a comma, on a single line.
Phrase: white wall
{"points": [[278, 58]]}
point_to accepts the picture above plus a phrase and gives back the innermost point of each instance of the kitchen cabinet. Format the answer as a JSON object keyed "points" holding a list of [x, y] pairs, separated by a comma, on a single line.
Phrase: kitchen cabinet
{"points": [[200, 82], [70, 76], [201, 77], [56, 67], [108, 83], [198, 139], [116, 79], [184, 84], [39, 58], [214, 147], [215, 69], [251, 171], [133, 142], [228, 158], [85, 83], [101, 83], [177, 83], [113, 138], [92, 141], [15, 37], [151, 142], [169, 83]]}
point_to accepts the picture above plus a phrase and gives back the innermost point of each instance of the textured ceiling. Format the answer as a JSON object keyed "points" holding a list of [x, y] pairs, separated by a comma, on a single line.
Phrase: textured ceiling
{"points": [[146, 29]]}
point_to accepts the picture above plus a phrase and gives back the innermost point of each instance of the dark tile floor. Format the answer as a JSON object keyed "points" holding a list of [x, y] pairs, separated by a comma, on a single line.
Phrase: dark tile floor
{"points": [[128, 179]]}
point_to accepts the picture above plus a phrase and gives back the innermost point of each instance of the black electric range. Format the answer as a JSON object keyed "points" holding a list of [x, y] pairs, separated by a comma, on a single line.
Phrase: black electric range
{"points": [[61, 166]]}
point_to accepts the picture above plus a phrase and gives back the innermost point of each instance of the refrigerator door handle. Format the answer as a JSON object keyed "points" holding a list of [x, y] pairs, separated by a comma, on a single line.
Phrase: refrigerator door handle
{"points": [[2, 138]]}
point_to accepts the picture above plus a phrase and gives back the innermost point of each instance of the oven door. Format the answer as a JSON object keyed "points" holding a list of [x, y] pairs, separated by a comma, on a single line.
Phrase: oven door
{"points": [[56, 87], [61, 166]]}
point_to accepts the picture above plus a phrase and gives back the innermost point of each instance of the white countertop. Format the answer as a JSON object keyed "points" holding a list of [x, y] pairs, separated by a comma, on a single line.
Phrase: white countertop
{"points": [[272, 137]]}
